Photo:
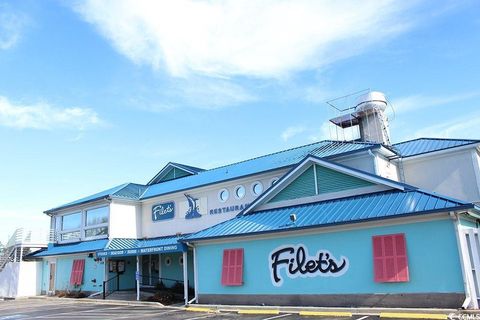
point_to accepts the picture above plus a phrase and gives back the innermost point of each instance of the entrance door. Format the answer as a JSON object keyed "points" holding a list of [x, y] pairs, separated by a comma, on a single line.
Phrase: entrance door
{"points": [[146, 276], [51, 283]]}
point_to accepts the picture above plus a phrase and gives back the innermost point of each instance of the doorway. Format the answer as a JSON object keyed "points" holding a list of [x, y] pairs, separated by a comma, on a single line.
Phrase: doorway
{"points": [[51, 282]]}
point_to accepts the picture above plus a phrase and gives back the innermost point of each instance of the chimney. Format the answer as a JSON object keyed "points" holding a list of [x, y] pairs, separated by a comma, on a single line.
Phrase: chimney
{"points": [[368, 113]]}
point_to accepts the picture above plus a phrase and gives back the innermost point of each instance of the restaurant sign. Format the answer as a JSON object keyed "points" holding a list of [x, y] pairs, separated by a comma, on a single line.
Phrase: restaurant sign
{"points": [[179, 247], [163, 211]]}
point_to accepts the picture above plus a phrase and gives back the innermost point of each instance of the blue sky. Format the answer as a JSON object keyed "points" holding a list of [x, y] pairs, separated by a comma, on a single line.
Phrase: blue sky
{"points": [[97, 93]]}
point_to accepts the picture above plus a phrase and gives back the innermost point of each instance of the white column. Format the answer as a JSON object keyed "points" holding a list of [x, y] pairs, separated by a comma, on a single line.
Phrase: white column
{"points": [[137, 278], [185, 277]]}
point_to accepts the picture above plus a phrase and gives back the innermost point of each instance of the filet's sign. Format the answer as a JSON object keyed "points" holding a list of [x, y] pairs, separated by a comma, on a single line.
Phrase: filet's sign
{"points": [[294, 261], [163, 211]]}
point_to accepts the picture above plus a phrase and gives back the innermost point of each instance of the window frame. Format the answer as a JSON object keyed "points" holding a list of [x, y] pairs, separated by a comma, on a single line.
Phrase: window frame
{"points": [[83, 226], [237, 187], [252, 188]]}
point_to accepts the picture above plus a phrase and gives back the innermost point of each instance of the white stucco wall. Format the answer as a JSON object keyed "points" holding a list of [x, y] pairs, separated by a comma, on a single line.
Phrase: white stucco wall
{"points": [[208, 200], [20, 279], [454, 174], [125, 220], [387, 169]]}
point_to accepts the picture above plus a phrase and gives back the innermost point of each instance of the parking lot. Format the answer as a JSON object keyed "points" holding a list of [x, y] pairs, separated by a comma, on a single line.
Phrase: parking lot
{"points": [[58, 309]]}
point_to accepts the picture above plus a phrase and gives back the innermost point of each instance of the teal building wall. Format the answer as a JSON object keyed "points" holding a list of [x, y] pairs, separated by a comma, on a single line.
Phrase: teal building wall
{"points": [[433, 262]]}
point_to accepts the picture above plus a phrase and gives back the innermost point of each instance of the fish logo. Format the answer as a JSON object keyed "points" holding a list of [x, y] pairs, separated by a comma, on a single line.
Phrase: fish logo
{"points": [[193, 208]]}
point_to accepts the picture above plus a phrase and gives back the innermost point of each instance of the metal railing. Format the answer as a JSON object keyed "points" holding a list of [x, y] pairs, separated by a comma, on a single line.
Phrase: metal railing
{"points": [[106, 285], [22, 236], [159, 282]]}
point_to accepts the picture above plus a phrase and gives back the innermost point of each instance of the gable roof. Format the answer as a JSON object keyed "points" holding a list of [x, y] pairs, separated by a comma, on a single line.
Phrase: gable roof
{"points": [[426, 145], [127, 191], [360, 208], [309, 161], [189, 170]]}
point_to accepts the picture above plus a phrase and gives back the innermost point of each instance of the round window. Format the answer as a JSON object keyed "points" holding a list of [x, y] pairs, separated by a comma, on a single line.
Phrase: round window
{"points": [[274, 180], [223, 195], [240, 192], [168, 261], [180, 261], [257, 188]]}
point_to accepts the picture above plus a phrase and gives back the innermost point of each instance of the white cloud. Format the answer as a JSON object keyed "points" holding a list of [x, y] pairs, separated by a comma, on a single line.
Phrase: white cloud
{"points": [[266, 39], [461, 127], [11, 27], [415, 102], [290, 132], [45, 116]]}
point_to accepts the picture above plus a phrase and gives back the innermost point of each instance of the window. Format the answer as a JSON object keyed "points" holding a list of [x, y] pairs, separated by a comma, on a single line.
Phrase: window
{"points": [[168, 261], [94, 232], [91, 223], [76, 277], [223, 195], [97, 216], [390, 258], [273, 181], [239, 192], [72, 221], [257, 188], [232, 267]]}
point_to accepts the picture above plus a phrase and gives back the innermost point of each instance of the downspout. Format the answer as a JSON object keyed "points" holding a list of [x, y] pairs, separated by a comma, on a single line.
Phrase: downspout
{"points": [[195, 273], [374, 157], [468, 298]]}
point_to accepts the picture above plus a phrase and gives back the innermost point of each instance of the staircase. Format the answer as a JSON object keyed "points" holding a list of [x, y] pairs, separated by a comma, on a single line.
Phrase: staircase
{"points": [[21, 243]]}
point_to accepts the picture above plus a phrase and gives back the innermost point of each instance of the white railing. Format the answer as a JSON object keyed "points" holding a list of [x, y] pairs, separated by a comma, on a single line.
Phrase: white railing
{"points": [[27, 237]]}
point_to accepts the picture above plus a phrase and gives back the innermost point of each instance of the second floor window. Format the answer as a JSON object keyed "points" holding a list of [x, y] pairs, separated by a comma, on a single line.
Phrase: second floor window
{"points": [[91, 223]]}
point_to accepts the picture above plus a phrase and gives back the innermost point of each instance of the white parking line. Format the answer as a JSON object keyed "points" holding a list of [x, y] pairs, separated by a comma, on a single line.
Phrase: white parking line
{"points": [[279, 316], [158, 314], [363, 318]]}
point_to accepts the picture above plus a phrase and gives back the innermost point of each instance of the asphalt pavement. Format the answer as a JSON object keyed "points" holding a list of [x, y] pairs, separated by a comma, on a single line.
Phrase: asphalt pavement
{"points": [[71, 310]]}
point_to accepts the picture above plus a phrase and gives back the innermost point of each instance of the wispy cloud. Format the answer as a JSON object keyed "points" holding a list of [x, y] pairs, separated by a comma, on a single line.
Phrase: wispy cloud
{"points": [[415, 102], [460, 127], [290, 132], [44, 116], [266, 39], [12, 25]]}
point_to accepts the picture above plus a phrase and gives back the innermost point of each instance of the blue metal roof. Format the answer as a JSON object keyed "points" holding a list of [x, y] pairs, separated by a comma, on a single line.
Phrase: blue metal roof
{"points": [[425, 145], [261, 164], [129, 191], [121, 247], [79, 247], [374, 206]]}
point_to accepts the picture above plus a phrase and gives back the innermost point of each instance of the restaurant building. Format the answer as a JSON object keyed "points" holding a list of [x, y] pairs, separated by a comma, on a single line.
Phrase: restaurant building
{"points": [[332, 223]]}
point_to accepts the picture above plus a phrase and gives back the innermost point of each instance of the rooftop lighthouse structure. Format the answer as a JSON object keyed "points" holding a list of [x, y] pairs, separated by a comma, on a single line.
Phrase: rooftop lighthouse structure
{"points": [[368, 113]]}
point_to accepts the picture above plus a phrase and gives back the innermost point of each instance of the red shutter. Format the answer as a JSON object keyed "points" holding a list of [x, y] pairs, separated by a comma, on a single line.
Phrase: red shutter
{"points": [[232, 267], [390, 262], [76, 276]]}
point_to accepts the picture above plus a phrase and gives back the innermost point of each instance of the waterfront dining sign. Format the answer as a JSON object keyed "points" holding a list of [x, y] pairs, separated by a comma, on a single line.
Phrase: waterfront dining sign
{"points": [[163, 211], [294, 261]]}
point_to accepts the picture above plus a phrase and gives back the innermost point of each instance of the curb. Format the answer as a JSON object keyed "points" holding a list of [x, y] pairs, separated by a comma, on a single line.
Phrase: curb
{"points": [[97, 301]]}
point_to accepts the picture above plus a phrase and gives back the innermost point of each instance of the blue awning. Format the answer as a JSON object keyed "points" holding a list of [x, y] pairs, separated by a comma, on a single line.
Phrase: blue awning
{"points": [[119, 247], [79, 247]]}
